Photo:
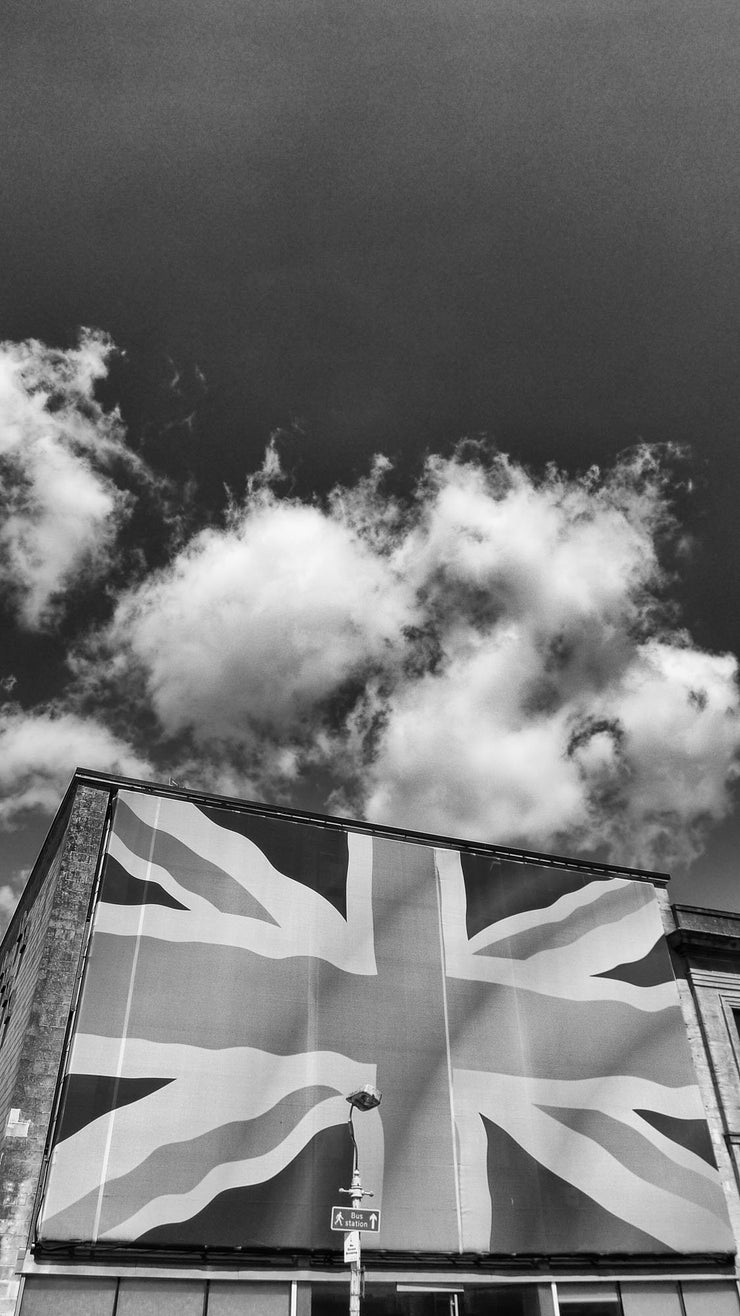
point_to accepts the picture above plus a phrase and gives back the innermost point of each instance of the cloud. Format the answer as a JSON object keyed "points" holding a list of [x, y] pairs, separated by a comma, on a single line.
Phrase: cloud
{"points": [[564, 711], [255, 626], [62, 457], [9, 894], [634, 768], [8, 901], [493, 656], [39, 751]]}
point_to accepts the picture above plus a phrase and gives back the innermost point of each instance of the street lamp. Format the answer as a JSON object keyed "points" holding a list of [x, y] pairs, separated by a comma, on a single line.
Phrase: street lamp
{"points": [[364, 1098]]}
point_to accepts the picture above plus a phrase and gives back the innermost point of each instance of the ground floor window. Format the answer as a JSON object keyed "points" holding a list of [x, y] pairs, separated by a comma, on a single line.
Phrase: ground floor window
{"points": [[591, 1300], [78, 1295], [427, 1300]]}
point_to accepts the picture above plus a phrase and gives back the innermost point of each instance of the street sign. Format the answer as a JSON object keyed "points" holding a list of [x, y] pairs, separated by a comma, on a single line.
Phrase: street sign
{"points": [[352, 1246], [355, 1217]]}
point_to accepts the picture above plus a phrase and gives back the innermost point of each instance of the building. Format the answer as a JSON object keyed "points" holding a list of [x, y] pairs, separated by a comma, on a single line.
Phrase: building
{"points": [[190, 988]]}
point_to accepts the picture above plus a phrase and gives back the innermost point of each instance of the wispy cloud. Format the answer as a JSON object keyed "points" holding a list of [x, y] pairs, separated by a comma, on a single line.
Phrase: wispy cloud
{"points": [[39, 751], [8, 898], [63, 459]]}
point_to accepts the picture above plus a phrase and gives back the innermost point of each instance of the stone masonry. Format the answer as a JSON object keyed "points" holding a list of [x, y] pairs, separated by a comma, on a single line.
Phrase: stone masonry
{"points": [[706, 949], [39, 964]]}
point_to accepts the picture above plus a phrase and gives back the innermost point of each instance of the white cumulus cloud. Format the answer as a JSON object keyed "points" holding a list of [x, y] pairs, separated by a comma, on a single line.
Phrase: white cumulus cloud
{"points": [[39, 751], [491, 657], [61, 453], [254, 626]]}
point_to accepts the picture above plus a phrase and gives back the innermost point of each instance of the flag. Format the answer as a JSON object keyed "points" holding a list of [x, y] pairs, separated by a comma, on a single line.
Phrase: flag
{"points": [[246, 972]]}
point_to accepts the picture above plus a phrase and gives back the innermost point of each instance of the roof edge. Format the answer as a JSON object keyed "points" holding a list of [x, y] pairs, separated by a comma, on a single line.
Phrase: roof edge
{"points": [[86, 776]]}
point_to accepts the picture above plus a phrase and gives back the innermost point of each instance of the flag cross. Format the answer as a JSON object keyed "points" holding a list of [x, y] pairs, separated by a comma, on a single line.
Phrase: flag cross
{"points": [[482, 1018], [423, 1027]]}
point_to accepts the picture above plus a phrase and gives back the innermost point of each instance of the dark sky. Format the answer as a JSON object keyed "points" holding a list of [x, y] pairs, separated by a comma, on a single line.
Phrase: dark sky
{"points": [[381, 227]]}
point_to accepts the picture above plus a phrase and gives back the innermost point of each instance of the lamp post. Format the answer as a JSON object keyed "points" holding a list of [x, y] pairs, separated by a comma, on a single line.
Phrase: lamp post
{"points": [[364, 1098]]}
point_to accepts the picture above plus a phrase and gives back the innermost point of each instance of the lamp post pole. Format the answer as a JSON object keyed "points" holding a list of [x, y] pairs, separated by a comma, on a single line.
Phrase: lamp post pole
{"points": [[365, 1098], [355, 1272]]}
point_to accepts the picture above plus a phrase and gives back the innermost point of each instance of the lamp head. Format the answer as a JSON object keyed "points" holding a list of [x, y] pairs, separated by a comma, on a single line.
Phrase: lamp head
{"points": [[364, 1098]]}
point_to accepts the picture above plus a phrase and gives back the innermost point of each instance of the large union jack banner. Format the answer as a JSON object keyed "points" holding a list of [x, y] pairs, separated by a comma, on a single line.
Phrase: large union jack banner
{"points": [[246, 972]]}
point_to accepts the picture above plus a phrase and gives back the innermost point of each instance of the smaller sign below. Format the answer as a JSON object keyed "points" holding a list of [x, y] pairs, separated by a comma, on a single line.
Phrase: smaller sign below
{"points": [[355, 1217], [352, 1246]]}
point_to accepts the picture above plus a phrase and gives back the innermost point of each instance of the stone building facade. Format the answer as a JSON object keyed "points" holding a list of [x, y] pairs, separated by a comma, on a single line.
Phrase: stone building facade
{"points": [[40, 962], [706, 949], [42, 970]]}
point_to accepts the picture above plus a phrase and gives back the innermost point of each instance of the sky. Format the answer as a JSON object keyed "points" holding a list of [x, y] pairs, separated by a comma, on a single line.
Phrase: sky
{"points": [[368, 417]]}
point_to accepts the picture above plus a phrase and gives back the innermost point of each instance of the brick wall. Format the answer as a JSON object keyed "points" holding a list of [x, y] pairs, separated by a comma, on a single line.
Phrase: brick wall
{"points": [[39, 962]]}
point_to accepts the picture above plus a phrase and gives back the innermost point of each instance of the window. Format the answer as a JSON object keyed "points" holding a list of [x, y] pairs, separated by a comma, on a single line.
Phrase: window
{"points": [[68, 1297], [235, 1298], [705, 1299], [651, 1300], [161, 1297], [589, 1300], [444, 1300]]}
